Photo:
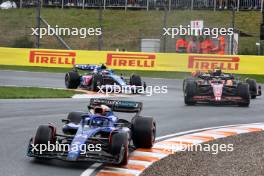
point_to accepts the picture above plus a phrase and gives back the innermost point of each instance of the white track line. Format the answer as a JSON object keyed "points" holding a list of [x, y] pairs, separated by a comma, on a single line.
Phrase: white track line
{"points": [[204, 129], [182, 140], [233, 130], [139, 153], [91, 169], [138, 162], [216, 136], [121, 170]]}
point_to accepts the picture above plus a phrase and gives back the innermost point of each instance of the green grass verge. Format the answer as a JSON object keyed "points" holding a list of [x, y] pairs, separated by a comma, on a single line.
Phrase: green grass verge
{"points": [[33, 92], [121, 29], [34, 69], [150, 74]]}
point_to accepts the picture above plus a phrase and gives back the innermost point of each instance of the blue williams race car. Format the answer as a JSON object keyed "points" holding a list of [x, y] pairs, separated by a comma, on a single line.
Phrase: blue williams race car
{"points": [[98, 77], [97, 135]]}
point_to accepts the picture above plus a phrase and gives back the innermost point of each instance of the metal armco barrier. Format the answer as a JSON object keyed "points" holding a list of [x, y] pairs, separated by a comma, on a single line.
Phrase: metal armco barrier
{"points": [[133, 60]]}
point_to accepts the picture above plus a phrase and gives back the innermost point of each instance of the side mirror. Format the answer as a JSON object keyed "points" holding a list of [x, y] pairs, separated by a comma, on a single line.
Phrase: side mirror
{"points": [[83, 116], [83, 119], [89, 107], [66, 121]]}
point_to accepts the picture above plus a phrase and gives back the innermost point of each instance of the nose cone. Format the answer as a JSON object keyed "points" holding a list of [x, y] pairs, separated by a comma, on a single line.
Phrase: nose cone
{"points": [[218, 90]]}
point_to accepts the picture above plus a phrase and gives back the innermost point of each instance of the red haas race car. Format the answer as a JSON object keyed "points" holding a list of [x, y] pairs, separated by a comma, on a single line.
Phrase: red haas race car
{"points": [[217, 87]]}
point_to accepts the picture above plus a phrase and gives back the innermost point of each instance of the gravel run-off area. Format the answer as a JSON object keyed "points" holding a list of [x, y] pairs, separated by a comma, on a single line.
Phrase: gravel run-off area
{"points": [[246, 159]]}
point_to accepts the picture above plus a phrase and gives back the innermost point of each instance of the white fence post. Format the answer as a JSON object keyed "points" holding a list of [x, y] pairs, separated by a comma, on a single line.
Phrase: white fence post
{"points": [[214, 5], [261, 5]]}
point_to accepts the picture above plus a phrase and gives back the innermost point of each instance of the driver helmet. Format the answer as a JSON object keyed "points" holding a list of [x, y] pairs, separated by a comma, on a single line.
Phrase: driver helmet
{"points": [[217, 71], [103, 67], [101, 110]]}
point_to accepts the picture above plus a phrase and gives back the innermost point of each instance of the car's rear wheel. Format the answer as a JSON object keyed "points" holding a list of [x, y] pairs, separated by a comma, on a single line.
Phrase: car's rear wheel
{"points": [[135, 80], [243, 92], [252, 87], [143, 132], [72, 80], [119, 146], [189, 92]]}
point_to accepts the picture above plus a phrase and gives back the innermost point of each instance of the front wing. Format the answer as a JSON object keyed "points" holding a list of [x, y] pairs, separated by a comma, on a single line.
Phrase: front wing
{"points": [[101, 157], [224, 99]]}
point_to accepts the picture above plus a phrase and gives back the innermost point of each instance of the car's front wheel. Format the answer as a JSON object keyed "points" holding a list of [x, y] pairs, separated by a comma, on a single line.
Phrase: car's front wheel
{"points": [[45, 135], [143, 132], [96, 83], [189, 92], [119, 146]]}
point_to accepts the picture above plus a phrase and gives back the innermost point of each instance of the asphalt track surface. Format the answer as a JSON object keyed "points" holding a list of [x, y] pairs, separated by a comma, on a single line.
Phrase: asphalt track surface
{"points": [[19, 119]]}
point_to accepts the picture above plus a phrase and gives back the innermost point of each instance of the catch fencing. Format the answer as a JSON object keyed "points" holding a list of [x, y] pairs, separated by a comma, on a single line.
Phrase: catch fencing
{"points": [[150, 4]]}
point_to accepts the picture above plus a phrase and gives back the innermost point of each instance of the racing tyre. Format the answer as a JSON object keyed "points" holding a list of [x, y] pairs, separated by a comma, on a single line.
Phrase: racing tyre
{"points": [[97, 80], [119, 146], [75, 117], [45, 134], [143, 132], [185, 82], [189, 92], [72, 80], [243, 92], [135, 80], [252, 87], [144, 85]]}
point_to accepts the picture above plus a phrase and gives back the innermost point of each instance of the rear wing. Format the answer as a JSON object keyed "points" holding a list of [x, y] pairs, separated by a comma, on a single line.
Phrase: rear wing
{"points": [[118, 105], [87, 67]]}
